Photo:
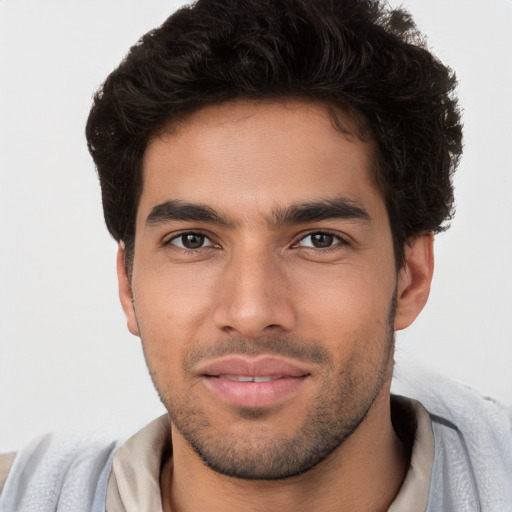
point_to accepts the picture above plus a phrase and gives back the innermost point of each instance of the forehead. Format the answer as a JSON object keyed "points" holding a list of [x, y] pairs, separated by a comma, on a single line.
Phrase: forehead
{"points": [[246, 154]]}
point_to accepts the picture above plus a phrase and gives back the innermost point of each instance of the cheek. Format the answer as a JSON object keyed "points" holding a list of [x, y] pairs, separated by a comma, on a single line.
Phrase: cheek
{"points": [[172, 297], [347, 298], [350, 317], [171, 309]]}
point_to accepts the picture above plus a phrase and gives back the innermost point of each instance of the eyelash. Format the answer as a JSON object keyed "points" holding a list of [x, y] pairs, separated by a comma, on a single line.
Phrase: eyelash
{"points": [[185, 249], [341, 241], [340, 244]]}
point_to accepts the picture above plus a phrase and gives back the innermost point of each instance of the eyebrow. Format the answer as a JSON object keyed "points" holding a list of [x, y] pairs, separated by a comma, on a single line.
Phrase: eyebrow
{"points": [[338, 208], [175, 209]]}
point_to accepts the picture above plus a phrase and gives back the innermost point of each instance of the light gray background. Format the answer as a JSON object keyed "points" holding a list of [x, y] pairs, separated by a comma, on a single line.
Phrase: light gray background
{"points": [[66, 359]]}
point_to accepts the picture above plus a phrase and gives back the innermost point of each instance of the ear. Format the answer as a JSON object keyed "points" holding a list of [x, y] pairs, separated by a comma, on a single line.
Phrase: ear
{"points": [[414, 280], [125, 291]]}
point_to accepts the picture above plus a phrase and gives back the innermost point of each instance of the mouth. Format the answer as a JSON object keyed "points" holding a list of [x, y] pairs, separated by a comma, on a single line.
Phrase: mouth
{"points": [[247, 378], [253, 382]]}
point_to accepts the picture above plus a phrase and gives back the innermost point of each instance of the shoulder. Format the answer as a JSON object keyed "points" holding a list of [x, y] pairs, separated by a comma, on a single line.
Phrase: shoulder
{"points": [[452, 402], [56, 470], [6, 460], [472, 439], [473, 455], [456, 408]]}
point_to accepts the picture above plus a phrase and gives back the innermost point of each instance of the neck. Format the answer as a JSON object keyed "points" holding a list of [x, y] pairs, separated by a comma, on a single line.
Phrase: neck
{"points": [[363, 474]]}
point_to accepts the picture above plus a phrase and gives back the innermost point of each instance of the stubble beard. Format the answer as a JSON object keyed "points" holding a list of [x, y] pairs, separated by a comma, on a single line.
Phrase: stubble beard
{"points": [[339, 408]]}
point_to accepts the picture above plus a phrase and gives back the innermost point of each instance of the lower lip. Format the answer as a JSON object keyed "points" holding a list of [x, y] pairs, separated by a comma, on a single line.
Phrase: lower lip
{"points": [[254, 394]]}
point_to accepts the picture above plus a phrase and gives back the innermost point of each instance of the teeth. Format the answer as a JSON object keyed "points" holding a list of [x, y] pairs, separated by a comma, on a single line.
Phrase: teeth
{"points": [[247, 378]]}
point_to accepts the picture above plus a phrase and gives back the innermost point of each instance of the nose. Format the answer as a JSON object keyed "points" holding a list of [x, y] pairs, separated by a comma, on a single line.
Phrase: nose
{"points": [[254, 297]]}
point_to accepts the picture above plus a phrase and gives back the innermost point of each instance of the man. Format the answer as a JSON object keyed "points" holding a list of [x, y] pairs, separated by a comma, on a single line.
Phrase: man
{"points": [[274, 173]]}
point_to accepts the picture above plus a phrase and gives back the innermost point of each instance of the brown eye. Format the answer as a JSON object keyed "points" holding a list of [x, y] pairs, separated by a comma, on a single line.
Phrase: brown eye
{"points": [[320, 240], [191, 241]]}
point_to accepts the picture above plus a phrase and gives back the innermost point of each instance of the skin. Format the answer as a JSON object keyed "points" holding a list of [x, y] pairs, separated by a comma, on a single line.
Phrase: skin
{"points": [[256, 285]]}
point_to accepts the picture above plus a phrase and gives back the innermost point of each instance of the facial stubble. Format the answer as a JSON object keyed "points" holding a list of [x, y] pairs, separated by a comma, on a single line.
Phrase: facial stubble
{"points": [[340, 407]]}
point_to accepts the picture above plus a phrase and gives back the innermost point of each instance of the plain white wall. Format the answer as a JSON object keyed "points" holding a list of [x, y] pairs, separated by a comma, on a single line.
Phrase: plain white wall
{"points": [[66, 359]]}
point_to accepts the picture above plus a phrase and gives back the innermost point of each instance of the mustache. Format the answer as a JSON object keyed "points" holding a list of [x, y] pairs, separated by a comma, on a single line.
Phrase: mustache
{"points": [[295, 348]]}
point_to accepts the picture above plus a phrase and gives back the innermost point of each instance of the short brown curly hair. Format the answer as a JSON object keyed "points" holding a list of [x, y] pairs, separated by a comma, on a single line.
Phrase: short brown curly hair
{"points": [[357, 54]]}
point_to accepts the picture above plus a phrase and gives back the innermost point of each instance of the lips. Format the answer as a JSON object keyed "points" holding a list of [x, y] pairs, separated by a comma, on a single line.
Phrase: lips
{"points": [[262, 366], [253, 382]]}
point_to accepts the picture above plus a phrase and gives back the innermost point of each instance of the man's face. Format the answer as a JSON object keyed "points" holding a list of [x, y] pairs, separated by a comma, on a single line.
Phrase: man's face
{"points": [[263, 282]]}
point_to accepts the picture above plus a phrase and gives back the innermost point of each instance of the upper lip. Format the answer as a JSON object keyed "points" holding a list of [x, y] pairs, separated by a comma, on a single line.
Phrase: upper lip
{"points": [[262, 366]]}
